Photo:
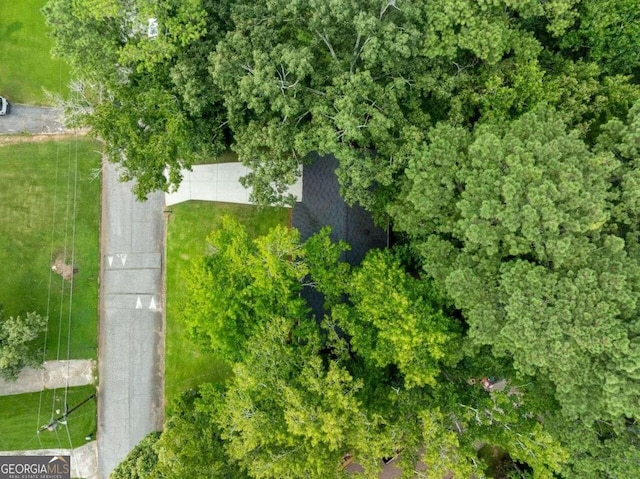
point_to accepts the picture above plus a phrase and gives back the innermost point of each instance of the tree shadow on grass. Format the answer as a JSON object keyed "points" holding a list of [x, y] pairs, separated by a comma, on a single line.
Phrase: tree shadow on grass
{"points": [[7, 31]]}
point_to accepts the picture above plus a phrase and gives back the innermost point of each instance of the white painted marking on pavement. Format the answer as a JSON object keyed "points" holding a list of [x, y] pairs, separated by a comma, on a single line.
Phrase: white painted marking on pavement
{"points": [[152, 305], [139, 303], [123, 258], [110, 259]]}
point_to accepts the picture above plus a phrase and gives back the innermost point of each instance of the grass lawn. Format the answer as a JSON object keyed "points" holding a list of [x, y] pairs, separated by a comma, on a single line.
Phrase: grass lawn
{"points": [[36, 226], [19, 421], [227, 156], [26, 65], [189, 225]]}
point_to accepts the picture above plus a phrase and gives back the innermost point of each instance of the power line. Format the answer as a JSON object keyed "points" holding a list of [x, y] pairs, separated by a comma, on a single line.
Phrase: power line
{"points": [[64, 258], [73, 219], [53, 230], [73, 262]]}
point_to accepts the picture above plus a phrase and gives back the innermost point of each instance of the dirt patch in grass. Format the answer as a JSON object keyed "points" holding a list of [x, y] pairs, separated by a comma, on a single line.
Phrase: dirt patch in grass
{"points": [[67, 271]]}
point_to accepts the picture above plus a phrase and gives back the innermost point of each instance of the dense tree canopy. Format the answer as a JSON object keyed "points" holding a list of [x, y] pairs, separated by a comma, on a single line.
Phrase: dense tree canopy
{"points": [[500, 138], [278, 79], [520, 230], [381, 372], [150, 99], [288, 413]]}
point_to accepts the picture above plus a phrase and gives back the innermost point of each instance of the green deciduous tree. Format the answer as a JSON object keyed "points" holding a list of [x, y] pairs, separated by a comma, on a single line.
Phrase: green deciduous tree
{"points": [[149, 98], [379, 375], [365, 81], [289, 413], [190, 444], [294, 408], [327, 272], [243, 283], [17, 349], [141, 462], [600, 451], [89, 35], [397, 320]]}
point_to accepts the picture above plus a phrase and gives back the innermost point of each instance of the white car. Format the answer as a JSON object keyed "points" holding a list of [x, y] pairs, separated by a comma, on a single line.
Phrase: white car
{"points": [[4, 106]]}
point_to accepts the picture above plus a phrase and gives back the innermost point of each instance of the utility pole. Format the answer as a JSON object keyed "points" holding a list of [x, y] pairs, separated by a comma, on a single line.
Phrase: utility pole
{"points": [[54, 422]]}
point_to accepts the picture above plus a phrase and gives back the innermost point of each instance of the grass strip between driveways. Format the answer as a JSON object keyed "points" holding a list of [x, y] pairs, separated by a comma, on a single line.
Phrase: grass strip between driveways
{"points": [[189, 224], [26, 65], [36, 226], [19, 419]]}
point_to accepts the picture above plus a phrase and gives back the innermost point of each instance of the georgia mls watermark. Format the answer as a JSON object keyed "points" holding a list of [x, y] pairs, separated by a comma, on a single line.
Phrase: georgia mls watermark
{"points": [[35, 467]]}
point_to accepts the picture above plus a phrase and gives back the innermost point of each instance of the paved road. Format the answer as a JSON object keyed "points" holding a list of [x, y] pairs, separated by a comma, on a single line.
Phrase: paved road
{"points": [[31, 119], [130, 394]]}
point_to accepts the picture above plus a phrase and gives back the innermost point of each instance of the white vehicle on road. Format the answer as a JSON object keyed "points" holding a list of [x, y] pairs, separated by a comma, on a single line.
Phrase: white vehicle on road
{"points": [[4, 106]]}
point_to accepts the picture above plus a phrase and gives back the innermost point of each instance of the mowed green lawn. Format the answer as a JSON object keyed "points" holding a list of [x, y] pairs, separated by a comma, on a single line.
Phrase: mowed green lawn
{"points": [[37, 183], [189, 224], [24, 414], [26, 65]]}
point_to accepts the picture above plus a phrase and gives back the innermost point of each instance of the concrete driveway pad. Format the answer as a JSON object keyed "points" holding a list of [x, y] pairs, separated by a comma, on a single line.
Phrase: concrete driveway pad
{"points": [[53, 374]]}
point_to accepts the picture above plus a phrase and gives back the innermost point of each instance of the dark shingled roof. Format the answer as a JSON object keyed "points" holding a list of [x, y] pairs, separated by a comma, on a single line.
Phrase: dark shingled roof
{"points": [[321, 206]]}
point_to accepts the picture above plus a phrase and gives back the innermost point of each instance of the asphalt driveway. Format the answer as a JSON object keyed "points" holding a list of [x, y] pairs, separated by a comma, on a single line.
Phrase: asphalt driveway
{"points": [[31, 119]]}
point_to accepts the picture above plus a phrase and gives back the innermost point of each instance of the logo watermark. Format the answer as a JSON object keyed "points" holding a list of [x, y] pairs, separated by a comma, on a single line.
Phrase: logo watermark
{"points": [[35, 467]]}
